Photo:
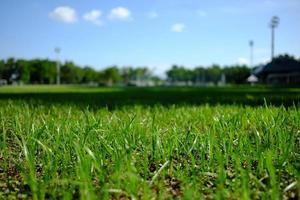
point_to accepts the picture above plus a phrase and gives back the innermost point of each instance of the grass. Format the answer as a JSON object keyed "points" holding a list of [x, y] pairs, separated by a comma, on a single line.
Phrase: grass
{"points": [[148, 149], [119, 97]]}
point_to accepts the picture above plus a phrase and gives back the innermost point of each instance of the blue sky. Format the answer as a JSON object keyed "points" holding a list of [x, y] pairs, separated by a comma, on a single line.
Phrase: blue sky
{"points": [[156, 33]]}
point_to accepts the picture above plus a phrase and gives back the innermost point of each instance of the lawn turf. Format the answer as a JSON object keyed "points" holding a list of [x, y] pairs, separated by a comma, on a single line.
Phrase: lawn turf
{"points": [[142, 143]]}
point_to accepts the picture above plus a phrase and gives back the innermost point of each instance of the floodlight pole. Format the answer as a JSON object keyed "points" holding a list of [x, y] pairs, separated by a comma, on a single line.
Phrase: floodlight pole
{"points": [[251, 43], [274, 23], [272, 43], [57, 51]]}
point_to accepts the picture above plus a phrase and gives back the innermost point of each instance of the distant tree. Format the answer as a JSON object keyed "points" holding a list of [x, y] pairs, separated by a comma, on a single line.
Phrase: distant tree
{"points": [[111, 75], [10, 71], [285, 60], [199, 75], [2, 69], [156, 80], [141, 73], [49, 71], [41, 71], [236, 74], [70, 73], [23, 68], [36, 72], [128, 74], [179, 74], [89, 75], [213, 73]]}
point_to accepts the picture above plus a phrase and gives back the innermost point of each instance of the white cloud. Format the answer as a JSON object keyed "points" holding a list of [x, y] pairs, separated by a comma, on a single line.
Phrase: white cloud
{"points": [[152, 15], [64, 14], [94, 17], [120, 13], [243, 61], [179, 27], [201, 13]]}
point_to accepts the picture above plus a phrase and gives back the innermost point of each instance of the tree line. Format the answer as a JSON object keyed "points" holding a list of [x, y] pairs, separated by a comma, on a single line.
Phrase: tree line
{"points": [[44, 71], [215, 74]]}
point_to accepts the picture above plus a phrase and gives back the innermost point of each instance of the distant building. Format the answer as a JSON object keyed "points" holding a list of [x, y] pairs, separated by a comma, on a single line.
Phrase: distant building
{"points": [[252, 79], [283, 70]]}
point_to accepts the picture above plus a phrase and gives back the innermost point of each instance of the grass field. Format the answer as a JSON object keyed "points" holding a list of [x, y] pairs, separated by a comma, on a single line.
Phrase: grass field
{"points": [[119, 97], [74, 142]]}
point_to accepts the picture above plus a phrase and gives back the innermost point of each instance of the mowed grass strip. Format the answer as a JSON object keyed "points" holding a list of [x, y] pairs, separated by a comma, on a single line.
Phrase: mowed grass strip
{"points": [[116, 97], [140, 152]]}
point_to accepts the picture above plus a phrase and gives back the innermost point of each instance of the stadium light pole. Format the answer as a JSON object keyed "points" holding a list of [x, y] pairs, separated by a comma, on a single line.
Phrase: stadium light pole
{"points": [[251, 44], [57, 51], [274, 23]]}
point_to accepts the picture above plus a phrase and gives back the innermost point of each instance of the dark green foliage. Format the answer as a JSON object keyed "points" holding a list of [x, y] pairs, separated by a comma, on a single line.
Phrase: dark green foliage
{"points": [[179, 74], [214, 73], [117, 97], [43, 71], [8, 69], [237, 74], [89, 75], [70, 73], [111, 75], [233, 74], [23, 68]]}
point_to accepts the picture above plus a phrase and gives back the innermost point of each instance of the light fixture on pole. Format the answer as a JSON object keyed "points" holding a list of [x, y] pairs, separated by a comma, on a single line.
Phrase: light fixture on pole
{"points": [[57, 51], [274, 23], [251, 44]]}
